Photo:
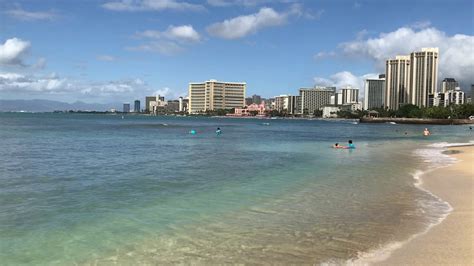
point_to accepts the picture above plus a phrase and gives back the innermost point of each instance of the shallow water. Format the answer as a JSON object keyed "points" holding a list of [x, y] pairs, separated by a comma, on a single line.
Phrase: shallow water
{"points": [[82, 189]]}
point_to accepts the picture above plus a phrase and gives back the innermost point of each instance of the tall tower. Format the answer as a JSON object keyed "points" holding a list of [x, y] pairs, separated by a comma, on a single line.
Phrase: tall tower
{"points": [[423, 76], [397, 81]]}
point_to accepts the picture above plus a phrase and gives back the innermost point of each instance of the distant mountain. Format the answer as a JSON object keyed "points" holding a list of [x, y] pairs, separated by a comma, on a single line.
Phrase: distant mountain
{"points": [[50, 106]]}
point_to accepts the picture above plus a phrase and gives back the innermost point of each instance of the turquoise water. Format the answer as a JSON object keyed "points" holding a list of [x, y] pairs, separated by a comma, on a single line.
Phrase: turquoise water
{"points": [[86, 189]]}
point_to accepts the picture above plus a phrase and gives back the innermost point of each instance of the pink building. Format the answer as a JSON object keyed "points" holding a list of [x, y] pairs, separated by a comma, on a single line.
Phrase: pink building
{"points": [[250, 109]]}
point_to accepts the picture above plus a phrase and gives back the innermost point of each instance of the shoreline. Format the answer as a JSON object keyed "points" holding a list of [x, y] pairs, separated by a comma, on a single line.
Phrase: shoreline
{"points": [[450, 241]]}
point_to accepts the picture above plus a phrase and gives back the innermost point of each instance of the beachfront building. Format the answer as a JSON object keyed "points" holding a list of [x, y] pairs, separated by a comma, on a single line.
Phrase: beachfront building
{"points": [[172, 106], [136, 106], [214, 95], [153, 103], [313, 99], [336, 99], [374, 93], [397, 81], [455, 96], [330, 111], [183, 104], [281, 103], [350, 95], [423, 76], [448, 84], [288, 103], [250, 110], [126, 108]]}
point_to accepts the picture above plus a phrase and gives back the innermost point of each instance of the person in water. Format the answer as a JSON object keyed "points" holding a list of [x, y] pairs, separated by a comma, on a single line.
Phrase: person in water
{"points": [[192, 132], [218, 131], [426, 132], [350, 145], [336, 146]]}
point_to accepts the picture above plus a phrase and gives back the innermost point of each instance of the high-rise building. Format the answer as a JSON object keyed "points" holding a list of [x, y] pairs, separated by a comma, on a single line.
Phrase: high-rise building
{"points": [[313, 99], [281, 103], [214, 95], [423, 76], [256, 99], [288, 103], [136, 107], [294, 105], [397, 74], [374, 93], [350, 95], [126, 108], [448, 84]]}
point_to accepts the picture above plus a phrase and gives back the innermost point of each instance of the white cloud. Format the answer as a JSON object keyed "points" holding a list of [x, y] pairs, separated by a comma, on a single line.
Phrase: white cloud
{"points": [[344, 79], [150, 5], [185, 33], [222, 3], [106, 58], [12, 50], [24, 15], [456, 51], [246, 3], [241, 26], [161, 47], [23, 83], [169, 42], [323, 55]]}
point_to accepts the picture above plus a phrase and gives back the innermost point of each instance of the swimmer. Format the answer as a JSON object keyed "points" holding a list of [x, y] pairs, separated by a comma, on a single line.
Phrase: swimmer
{"points": [[426, 132], [336, 146], [192, 132], [218, 131]]}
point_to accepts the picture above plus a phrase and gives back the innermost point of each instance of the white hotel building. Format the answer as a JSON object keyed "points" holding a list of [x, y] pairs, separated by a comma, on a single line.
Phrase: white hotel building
{"points": [[214, 95]]}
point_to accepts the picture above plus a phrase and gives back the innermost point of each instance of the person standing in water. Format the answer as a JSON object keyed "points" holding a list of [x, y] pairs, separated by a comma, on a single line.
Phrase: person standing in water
{"points": [[426, 132], [350, 145], [218, 131]]}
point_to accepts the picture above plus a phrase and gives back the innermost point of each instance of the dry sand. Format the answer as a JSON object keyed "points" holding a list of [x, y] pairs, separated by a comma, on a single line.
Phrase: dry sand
{"points": [[452, 241]]}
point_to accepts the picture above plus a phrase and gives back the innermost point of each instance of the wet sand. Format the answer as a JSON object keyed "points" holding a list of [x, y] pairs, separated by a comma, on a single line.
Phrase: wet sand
{"points": [[451, 242]]}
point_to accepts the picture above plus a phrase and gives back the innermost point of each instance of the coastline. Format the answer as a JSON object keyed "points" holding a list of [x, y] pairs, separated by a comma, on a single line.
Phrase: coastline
{"points": [[451, 241]]}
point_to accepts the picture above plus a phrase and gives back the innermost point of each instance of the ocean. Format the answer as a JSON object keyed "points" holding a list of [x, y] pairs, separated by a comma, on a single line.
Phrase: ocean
{"points": [[102, 189]]}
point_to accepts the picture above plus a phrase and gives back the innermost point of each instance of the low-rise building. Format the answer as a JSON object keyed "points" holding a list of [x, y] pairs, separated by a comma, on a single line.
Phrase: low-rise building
{"points": [[250, 110]]}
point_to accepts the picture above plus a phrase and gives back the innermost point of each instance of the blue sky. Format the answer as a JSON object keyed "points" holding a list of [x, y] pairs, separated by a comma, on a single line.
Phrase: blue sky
{"points": [[119, 50]]}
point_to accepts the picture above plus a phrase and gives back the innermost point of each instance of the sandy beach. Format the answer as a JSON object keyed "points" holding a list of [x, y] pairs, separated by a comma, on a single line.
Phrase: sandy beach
{"points": [[451, 242]]}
